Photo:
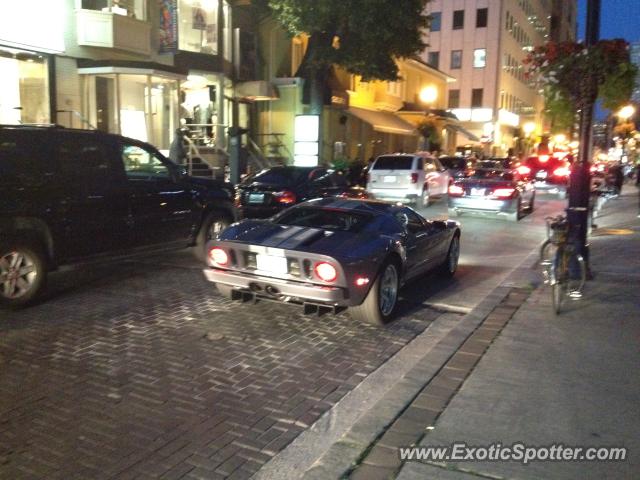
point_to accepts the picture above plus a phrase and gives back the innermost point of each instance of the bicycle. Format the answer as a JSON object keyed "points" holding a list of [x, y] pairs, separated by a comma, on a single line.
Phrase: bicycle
{"points": [[564, 270]]}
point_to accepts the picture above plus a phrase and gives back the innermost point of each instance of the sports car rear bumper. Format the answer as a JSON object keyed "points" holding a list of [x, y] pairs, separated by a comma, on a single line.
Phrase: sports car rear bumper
{"points": [[278, 289], [482, 204]]}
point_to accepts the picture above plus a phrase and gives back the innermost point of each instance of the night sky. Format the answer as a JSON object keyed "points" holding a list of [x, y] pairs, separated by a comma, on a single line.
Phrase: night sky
{"points": [[618, 19]]}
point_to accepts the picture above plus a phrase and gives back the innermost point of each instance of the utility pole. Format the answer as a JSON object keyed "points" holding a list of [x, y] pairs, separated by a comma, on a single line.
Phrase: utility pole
{"points": [[580, 180]]}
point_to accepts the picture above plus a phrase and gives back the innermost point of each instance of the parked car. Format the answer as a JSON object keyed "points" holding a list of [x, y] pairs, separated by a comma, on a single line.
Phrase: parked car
{"points": [[458, 167], [68, 196], [274, 189], [551, 174], [332, 253], [413, 178], [492, 189]]}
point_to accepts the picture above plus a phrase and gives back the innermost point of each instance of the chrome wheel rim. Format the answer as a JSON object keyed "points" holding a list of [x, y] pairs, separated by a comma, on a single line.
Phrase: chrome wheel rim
{"points": [[454, 255], [388, 290], [215, 229], [425, 198], [18, 274]]}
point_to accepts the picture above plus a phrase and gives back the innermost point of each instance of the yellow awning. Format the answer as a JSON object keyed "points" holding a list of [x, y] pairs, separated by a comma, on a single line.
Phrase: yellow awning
{"points": [[383, 121]]}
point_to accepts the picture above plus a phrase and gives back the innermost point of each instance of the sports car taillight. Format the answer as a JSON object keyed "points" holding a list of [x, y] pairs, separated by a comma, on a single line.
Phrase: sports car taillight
{"points": [[523, 170], [285, 197], [503, 192], [219, 256], [325, 272], [414, 178], [543, 158], [456, 190]]}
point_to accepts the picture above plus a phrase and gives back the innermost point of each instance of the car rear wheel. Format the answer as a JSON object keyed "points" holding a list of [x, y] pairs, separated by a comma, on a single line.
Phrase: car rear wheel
{"points": [[515, 215], [380, 302], [23, 274], [425, 199], [213, 224]]}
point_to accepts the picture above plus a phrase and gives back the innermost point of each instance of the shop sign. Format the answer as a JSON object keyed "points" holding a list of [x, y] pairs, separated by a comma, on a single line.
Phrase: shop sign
{"points": [[168, 32]]}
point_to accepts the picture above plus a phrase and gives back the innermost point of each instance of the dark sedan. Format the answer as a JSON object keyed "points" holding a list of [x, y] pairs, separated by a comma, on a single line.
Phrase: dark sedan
{"points": [[458, 167], [332, 253], [492, 189], [274, 189], [551, 173]]}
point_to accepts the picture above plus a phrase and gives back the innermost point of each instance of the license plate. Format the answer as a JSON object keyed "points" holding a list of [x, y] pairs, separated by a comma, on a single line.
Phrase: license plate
{"points": [[389, 179], [541, 174], [256, 198], [477, 192], [271, 264]]}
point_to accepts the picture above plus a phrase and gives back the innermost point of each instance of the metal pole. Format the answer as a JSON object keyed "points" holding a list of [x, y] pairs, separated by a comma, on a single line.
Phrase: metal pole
{"points": [[580, 190]]}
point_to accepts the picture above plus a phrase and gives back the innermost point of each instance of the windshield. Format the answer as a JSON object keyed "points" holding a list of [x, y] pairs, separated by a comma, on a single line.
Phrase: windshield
{"points": [[284, 176], [393, 163], [457, 163], [324, 218]]}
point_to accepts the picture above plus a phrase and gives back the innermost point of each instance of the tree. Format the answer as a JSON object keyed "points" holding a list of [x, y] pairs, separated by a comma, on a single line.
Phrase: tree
{"points": [[362, 36], [574, 75]]}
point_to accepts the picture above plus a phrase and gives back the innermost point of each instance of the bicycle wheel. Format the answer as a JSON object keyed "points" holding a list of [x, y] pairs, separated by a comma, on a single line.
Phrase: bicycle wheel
{"points": [[577, 275], [559, 279]]}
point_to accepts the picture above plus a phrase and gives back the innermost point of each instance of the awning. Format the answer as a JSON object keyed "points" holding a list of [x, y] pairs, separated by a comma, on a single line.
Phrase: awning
{"points": [[464, 132], [256, 91], [383, 121]]}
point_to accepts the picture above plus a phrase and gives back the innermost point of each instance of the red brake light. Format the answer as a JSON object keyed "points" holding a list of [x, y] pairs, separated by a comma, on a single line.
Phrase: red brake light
{"points": [[218, 256], [326, 272], [523, 170], [503, 192], [561, 172], [285, 197], [456, 190], [414, 178], [543, 158], [593, 168]]}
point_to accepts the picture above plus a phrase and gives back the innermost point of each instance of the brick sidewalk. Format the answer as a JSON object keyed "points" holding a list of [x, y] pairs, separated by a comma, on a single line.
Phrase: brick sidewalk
{"points": [[142, 371]]}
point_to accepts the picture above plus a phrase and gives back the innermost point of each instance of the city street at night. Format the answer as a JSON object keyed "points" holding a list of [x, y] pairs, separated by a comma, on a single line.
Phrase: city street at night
{"points": [[142, 369]]}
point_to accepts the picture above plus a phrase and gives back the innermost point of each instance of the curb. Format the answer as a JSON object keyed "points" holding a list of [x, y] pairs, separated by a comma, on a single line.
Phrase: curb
{"points": [[342, 455]]}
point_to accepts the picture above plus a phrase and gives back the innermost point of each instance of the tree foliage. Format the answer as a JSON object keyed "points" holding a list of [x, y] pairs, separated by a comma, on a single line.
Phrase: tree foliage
{"points": [[362, 36]]}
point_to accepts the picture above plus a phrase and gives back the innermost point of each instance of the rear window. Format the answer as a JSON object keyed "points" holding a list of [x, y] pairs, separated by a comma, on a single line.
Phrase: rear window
{"points": [[393, 163], [453, 162], [285, 176], [324, 218], [493, 174]]}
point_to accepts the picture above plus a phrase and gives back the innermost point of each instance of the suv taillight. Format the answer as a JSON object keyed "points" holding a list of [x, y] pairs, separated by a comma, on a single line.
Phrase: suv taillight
{"points": [[414, 178]]}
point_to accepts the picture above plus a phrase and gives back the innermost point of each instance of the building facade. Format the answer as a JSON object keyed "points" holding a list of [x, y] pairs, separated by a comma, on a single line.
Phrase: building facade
{"points": [[482, 43], [635, 59], [139, 68]]}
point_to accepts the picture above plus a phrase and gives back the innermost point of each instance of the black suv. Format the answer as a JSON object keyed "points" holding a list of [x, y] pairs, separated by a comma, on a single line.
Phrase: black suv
{"points": [[67, 196]]}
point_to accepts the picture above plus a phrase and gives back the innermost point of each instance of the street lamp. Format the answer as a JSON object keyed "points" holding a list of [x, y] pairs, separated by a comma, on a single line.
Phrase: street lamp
{"points": [[428, 95], [624, 114]]}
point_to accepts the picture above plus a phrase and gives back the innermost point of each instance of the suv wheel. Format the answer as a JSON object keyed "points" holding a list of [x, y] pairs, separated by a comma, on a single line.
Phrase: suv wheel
{"points": [[213, 224], [22, 274], [425, 198]]}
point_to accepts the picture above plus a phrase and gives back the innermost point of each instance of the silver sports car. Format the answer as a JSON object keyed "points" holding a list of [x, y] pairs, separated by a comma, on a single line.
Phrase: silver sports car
{"points": [[332, 253]]}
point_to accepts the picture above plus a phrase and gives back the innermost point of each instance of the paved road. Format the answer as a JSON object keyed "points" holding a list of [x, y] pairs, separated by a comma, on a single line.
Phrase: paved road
{"points": [[141, 370]]}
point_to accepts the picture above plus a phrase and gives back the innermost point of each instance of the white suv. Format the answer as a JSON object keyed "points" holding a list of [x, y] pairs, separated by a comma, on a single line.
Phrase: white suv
{"points": [[407, 177]]}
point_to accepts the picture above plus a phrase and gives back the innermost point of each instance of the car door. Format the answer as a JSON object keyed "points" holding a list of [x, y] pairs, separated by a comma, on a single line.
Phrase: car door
{"points": [[164, 209], [444, 178], [91, 201], [418, 241]]}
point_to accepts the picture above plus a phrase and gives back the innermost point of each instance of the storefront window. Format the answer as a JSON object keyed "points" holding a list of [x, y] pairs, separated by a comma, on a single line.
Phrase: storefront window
{"points": [[198, 26], [130, 8], [24, 88], [200, 108], [144, 107]]}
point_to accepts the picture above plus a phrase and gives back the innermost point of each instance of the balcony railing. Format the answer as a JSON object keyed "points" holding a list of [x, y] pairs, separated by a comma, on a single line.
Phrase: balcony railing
{"points": [[111, 30]]}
